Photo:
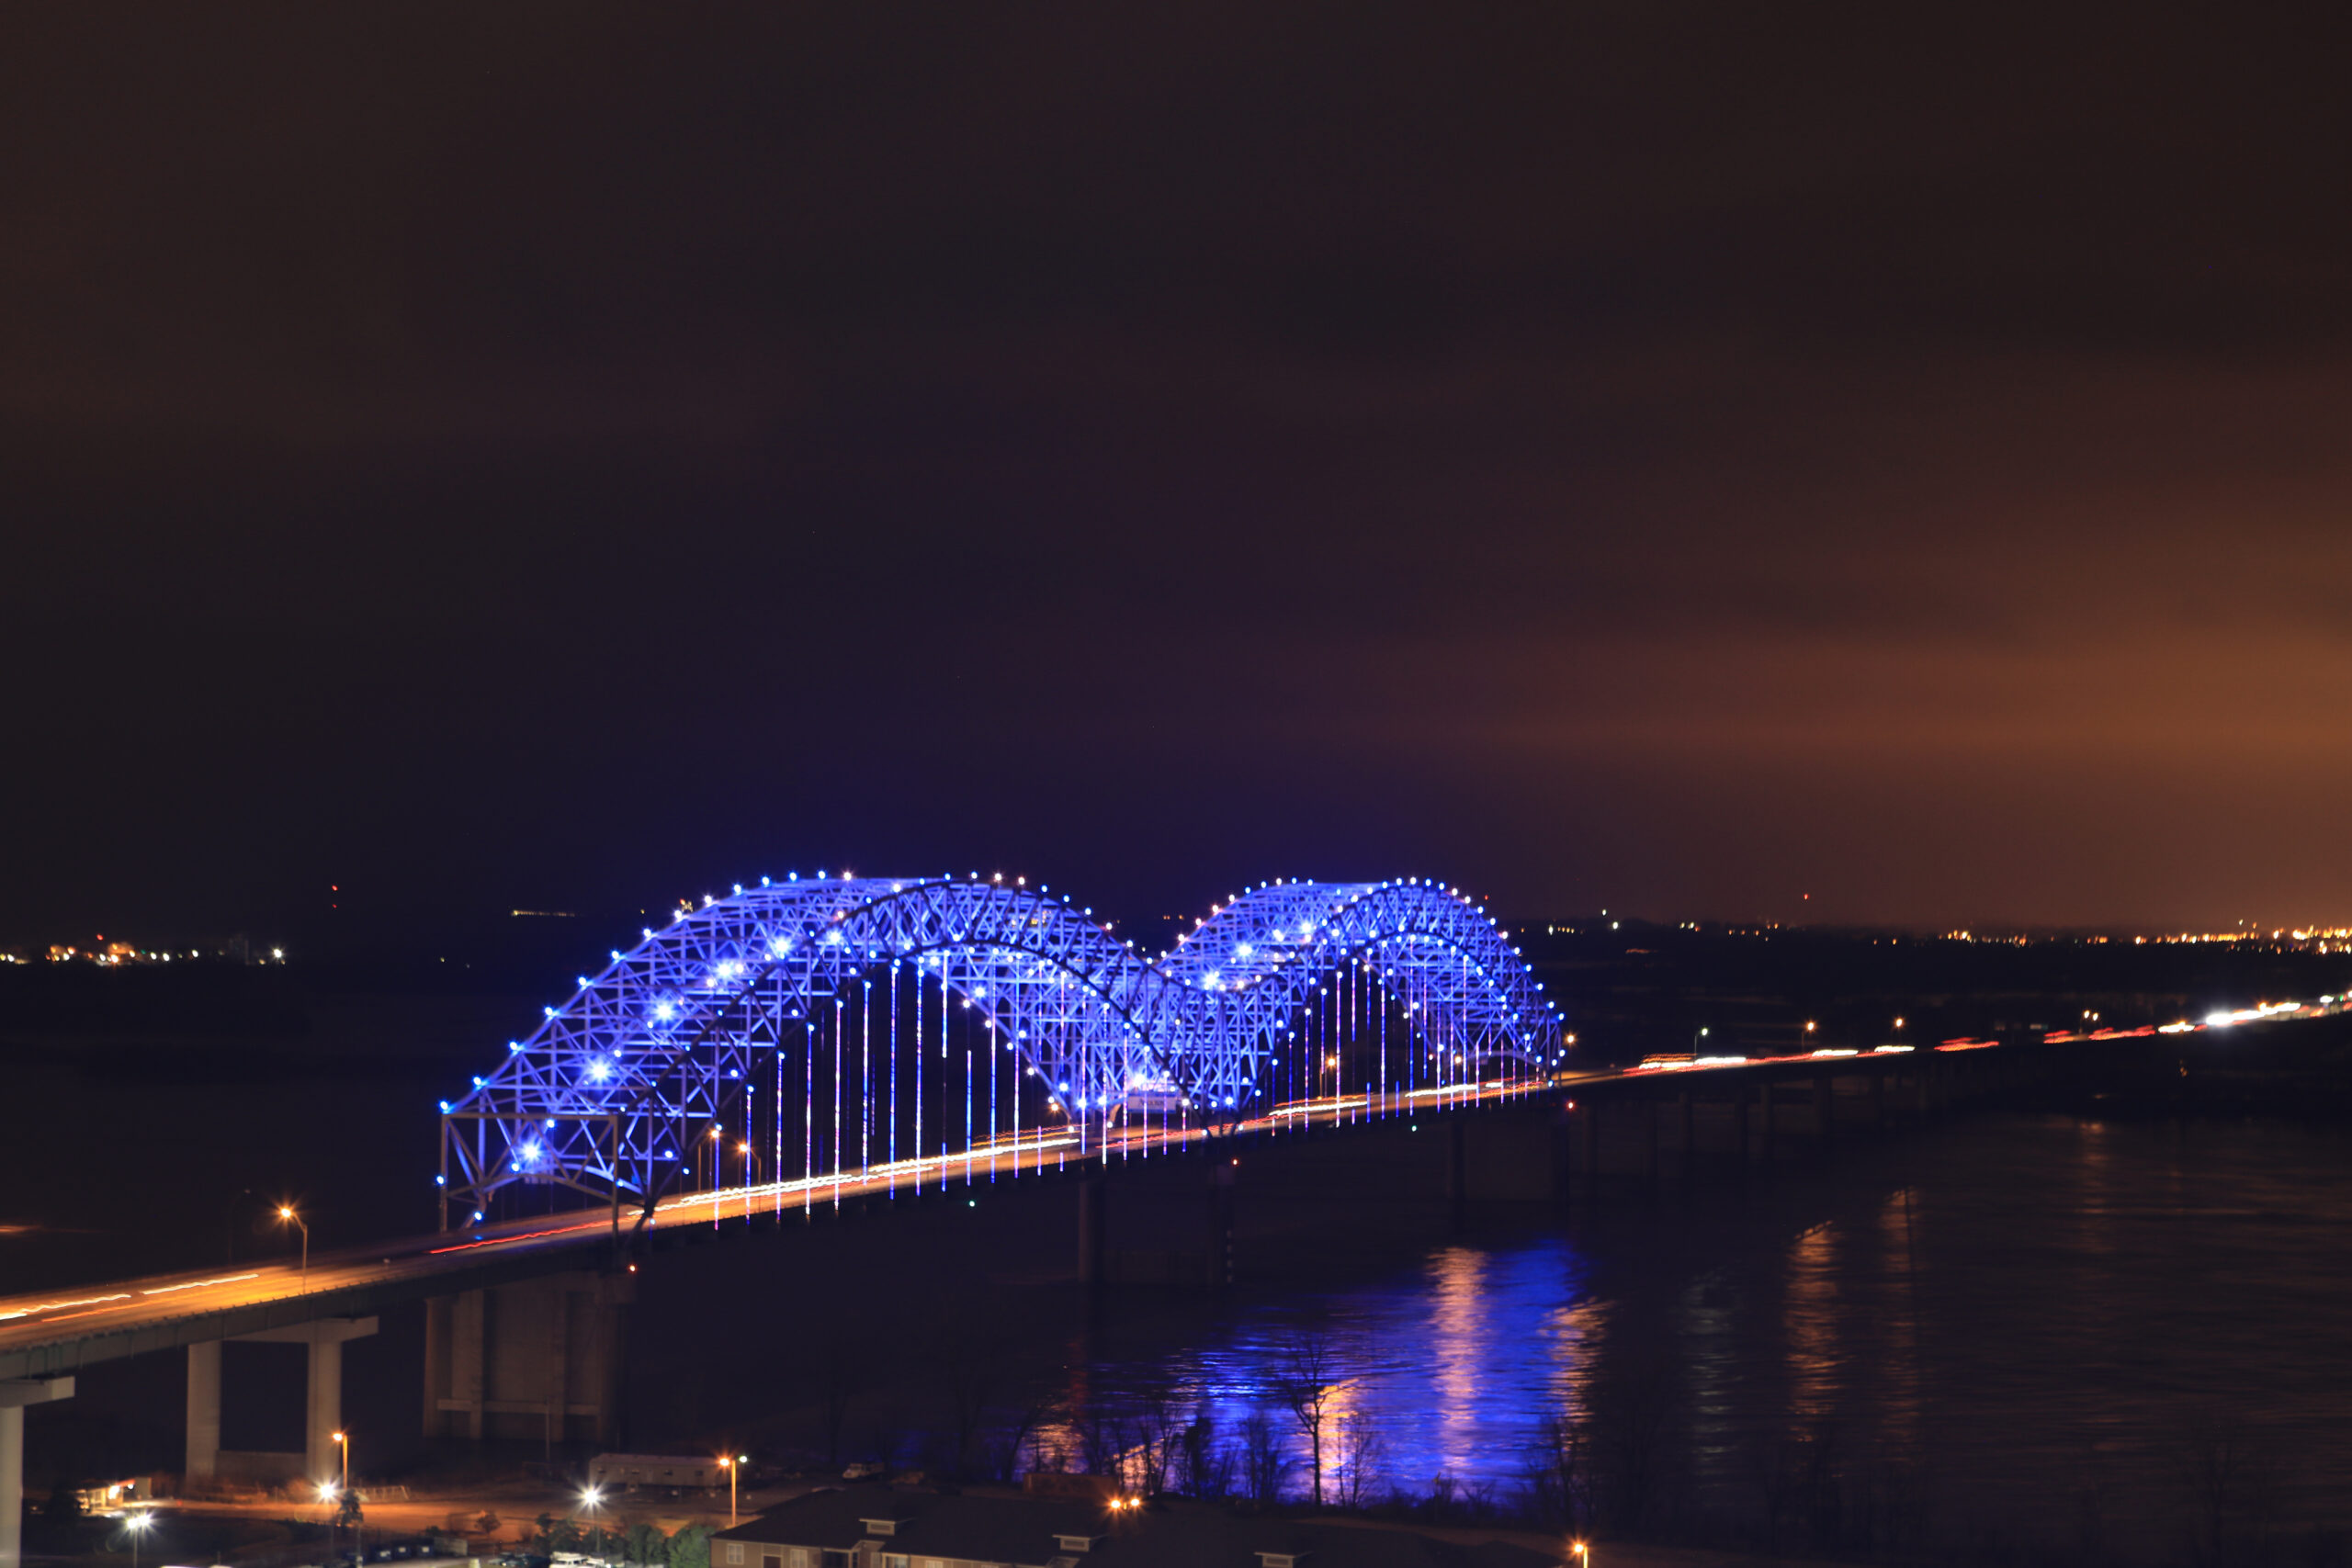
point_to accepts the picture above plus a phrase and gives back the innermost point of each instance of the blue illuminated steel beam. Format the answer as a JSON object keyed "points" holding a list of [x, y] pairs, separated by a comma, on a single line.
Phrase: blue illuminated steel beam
{"points": [[607, 1095]]}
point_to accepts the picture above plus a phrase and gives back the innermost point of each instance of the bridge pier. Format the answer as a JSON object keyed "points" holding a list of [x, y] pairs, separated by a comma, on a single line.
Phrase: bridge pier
{"points": [[1094, 1229], [202, 1461], [322, 1405], [14, 1397], [1824, 1107], [1740, 1097], [1222, 1182], [1457, 1168], [535, 1360]]}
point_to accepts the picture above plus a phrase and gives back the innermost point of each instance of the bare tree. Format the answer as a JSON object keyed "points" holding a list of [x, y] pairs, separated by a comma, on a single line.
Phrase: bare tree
{"points": [[1634, 1430], [2229, 1493], [1018, 1431], [1261, 1461], [1156, 1432], [1559, 1476], [1362, 1452], [837, 1378], [1102, 1437], [967, 1367], [1204, 1467], [1307, 1380]]}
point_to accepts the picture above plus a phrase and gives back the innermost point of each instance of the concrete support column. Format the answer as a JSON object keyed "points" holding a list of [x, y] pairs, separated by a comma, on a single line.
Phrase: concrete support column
{"points": [[1222, 1181], [1690, 1130], [1740, 1122], [321, 1454], [1590, 1126], [1654, 1113], [557, 1377], [1877, 1098], [1458, 1162], [1772, 1100], [470, 1326], [1093, 1214], [323, 1403], [14, 1397], [202, 1460], [1824, 1107]]}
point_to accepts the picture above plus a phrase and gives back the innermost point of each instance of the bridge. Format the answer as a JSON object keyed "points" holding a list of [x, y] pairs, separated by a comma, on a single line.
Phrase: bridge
{"points": [[831, 1041], [837, 1038], [860, 1024]]}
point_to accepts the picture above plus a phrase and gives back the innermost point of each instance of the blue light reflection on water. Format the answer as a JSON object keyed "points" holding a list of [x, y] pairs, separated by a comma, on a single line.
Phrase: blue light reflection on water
{"points": [[2029, 1318], [1454, 1368]]}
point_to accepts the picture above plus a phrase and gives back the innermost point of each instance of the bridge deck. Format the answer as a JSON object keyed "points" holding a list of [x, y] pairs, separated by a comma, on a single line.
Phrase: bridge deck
{"points": [[52, 1331], [55, 1331]]}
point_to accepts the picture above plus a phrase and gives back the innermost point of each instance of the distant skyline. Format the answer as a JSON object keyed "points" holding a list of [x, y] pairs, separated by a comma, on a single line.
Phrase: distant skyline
{"points": [[1674, 460]]}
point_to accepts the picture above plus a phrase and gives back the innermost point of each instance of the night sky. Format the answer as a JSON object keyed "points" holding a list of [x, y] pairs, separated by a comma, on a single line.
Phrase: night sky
{"points": [[1673, 456]]}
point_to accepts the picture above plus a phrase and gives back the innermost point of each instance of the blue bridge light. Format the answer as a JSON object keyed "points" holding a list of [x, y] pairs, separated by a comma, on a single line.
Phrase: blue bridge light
{"points": [[1364, 993]]}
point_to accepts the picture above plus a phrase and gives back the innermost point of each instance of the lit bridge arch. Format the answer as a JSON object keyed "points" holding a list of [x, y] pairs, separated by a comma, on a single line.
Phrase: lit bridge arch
{"points": [[806, 1025]]}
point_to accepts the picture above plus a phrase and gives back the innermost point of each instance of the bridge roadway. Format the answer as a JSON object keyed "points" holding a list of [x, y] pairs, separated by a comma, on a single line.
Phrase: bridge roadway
{"points": [[51, 1333]]}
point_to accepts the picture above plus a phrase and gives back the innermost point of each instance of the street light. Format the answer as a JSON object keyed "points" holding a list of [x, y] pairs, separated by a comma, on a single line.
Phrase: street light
{"points": [[286, 1214], [342, 1441], [1584, 1553], [591, 1498], [1696, 1038], [733, 1465], [137, 1525]]}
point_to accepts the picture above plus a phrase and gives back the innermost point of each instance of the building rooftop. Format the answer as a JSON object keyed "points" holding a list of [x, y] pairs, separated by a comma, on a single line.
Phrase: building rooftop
{"points": [[1038, 1532]]}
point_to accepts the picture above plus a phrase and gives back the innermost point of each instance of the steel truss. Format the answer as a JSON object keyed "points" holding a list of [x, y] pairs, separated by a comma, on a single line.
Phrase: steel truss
{"points": [[607, 1095]]}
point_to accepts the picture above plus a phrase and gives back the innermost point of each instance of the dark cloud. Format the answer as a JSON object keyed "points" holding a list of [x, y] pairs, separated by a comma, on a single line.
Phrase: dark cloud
{"points": [[1657, 455]]}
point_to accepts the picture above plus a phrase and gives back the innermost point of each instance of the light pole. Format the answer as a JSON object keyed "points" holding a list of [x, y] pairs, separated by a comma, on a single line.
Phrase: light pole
{"points": [[137, 1525], [342, 1441], [286, 1214], [1696, 1038], [733, 1465]]}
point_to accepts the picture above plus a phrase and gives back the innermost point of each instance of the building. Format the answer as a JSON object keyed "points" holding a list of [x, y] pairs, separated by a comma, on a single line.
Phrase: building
{"points": [[875, 1526], [622, 1471]]}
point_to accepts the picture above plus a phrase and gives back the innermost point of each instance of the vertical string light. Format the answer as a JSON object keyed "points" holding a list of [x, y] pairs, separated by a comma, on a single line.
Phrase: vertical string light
{"points": [[1355, 1028], [809, 1118], [894, 1078], [836, 1100], [946, 1106], [922, 991], [865, 1075], [774, 1117]]}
